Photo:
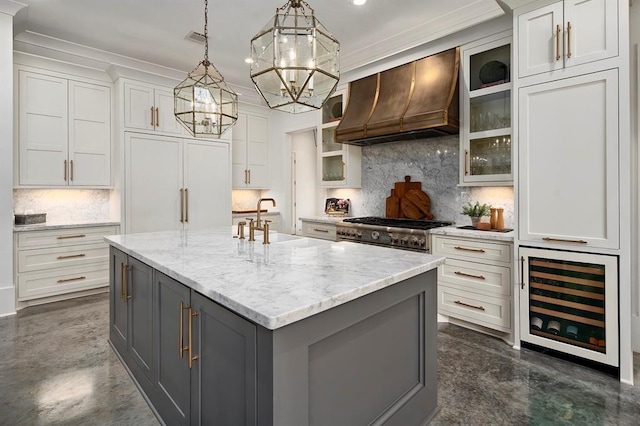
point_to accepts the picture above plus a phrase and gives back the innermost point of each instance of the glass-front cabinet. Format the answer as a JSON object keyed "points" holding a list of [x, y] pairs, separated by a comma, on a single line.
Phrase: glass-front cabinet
{"points": [[569, 303], [338, 164], [486, 112]]}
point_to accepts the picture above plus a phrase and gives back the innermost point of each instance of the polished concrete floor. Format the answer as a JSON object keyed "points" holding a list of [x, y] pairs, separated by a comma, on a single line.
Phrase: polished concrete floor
{"points": [[56, 367]]}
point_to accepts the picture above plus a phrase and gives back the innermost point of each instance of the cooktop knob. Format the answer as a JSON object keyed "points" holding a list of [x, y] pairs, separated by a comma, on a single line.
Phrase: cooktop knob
{"points": [[375, 235]]}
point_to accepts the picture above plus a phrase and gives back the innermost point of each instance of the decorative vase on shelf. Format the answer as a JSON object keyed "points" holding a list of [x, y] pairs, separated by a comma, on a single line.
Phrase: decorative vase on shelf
{"points": [[475, 220], [494, 217], [500, 219]]}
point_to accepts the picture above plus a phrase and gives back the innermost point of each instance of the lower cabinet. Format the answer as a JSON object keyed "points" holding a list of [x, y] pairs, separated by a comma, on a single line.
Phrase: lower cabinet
{"points": [[322, 230], [195, 360]]}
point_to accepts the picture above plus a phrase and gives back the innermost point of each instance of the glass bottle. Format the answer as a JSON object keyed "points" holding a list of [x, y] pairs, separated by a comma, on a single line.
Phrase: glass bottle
{"points": [[553, 327]]}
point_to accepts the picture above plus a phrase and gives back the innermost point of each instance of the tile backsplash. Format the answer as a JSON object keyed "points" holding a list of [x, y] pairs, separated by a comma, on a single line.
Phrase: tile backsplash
{"points": [[63, 205], [435, 163]]}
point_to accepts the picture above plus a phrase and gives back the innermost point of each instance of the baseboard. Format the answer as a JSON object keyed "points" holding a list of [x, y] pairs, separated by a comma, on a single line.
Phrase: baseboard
{"points": [[7, 301]]}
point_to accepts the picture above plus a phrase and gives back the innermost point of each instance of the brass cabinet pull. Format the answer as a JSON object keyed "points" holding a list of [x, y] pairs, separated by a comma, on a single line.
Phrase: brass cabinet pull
{"points": [[72, 279], [191, 356], [480, 308], [558, 33], [469, 249], [186, 205], [181, 205], [123, 270], [181, 347], [466, 162], [249, 172], [64, 237], [152, 120], [321, 230], [71, 170], [522, 272], [157, 117], [561, 240], [464, 274], [127, 268], [568, 39], [65, 170], [71, 256]]}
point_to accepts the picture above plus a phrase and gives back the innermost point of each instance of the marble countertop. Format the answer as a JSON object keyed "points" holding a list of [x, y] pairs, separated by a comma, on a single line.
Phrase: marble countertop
{"points": [[277, 284], [324, 219], [63, 225], [452, 231]]}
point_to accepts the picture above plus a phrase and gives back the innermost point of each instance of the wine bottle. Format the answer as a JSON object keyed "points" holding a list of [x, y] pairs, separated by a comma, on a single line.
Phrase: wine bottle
{"points": [[553, 327]]}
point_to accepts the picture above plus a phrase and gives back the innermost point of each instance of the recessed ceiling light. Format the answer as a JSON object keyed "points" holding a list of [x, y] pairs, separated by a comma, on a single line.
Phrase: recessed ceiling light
{"points": [[359, 2], [248, 60]]}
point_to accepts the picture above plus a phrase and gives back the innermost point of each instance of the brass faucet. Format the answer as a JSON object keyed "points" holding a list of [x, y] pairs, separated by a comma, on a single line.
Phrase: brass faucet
{"points": [[258, 224]]}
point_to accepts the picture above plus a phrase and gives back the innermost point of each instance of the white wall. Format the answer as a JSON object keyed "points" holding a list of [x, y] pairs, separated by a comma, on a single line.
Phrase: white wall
{"points": [[634, 20], [303, 144]]}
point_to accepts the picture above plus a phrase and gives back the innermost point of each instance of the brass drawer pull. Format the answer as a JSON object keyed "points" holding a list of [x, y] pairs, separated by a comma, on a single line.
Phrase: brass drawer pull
{"points": [[480, 308], [469, 249], [560, 240], [181, 347], [480, 277], [71, 256], [64, 237], [321, 230], [72, 279]]}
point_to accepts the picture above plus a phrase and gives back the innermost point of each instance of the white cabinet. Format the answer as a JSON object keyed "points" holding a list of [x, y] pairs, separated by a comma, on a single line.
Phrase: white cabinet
{"points": [[64, 131], [568, 162], [339, 165], [474, 284], [567, 33], [316, 229], [184, 185], [148, 107], [485, 134], [250, 140], [57, 262]]}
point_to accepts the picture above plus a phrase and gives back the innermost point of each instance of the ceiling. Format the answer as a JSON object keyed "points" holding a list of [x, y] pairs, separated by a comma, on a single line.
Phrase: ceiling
{"points": [[154, 30]]}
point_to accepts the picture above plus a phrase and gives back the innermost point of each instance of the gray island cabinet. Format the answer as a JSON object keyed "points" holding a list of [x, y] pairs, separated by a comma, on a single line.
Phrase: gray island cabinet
{"points": [[216, 330]]}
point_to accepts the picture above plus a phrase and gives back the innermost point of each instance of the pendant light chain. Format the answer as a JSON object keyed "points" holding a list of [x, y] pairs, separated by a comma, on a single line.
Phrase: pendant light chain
{"points": [[206, 33]]}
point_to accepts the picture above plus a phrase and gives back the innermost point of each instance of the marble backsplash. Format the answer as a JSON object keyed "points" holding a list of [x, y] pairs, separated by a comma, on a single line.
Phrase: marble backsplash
{"points": [[435, 163], [63, 205]]}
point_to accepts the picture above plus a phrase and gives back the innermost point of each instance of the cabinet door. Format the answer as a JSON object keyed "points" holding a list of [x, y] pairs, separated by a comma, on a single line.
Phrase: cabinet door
{"points": [[207, 184], [568, 159], [138, 106], [140, 299], [591, 30], [223, 379], [43, 127], [239, 170], [89, 134], [257, 151], [118, 330], [540, 44], [165, 120], [171, 333], [153, 180]]}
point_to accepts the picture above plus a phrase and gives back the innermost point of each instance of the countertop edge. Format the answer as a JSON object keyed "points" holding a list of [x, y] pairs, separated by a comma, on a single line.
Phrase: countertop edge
{"points": [[48, 226], [452, 231]]}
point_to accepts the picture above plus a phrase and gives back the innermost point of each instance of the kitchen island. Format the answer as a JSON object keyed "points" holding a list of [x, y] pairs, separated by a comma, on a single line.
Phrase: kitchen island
{"points": [[214, 329]]}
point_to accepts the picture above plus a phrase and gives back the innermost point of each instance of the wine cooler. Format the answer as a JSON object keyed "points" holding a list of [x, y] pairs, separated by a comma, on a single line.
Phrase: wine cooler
{"points": [[569, 303]]}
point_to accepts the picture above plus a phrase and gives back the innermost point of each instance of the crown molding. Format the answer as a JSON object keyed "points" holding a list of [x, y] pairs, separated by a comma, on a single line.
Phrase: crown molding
{"points": [[11, 7]]}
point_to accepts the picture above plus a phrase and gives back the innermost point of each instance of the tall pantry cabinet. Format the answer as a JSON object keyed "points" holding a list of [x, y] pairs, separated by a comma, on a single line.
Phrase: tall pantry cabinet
{"points": [[573, 153], [170, 180]]}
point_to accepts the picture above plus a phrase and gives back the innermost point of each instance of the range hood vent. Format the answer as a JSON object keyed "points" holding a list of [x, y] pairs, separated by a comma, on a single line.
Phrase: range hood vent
{"points": [[413, 101]]}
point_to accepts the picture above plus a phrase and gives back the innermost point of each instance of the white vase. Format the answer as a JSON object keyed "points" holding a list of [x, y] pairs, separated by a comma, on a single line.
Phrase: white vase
{"points": [[475, 220]]}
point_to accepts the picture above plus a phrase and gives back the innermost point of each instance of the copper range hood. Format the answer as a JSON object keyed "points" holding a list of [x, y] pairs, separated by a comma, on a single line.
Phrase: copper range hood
{"points": [[413, 101]]}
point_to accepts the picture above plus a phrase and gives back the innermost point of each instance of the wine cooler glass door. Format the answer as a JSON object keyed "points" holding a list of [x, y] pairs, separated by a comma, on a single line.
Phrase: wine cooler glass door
{"points": [[569, 302]]}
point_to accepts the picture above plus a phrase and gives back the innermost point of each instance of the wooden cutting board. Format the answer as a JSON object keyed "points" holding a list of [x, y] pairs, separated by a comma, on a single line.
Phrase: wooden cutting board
{"points": [[421, 200], [392, 206], [401, 188], [410, 210]]}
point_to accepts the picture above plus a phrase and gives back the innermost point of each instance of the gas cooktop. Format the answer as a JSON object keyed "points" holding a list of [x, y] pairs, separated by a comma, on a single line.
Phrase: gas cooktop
{"points": [[398, 223]]}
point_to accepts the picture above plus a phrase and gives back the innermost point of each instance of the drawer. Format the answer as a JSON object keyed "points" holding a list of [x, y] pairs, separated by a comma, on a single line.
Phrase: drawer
{"points": [[33, 285], [39, 259], [487, 311], [476, 277], [472, 249], [325, 231], [64, 237]]}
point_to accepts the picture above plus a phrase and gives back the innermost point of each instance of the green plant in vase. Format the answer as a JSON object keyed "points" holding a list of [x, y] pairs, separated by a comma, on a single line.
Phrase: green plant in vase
{"points": [[476, 211]]}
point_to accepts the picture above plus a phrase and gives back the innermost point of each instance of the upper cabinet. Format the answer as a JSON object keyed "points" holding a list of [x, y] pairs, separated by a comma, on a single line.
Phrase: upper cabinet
{"points": [[250, 136], [64, 131], [339, 165], [486, 112], [565, 34], [149, 108]]}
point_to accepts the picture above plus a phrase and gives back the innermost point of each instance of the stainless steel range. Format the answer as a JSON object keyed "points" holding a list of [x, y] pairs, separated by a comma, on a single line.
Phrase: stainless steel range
{"points": [[406, 234]]}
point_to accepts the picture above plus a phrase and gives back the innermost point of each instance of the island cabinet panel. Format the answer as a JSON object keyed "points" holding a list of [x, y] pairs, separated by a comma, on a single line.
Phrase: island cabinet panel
{"points": [[131, 315]]}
